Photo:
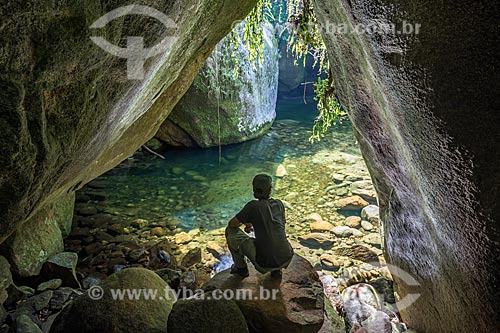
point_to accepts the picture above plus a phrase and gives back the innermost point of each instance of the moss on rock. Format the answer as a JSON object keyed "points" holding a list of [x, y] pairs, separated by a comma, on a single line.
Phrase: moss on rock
{"points": [[40, 237], [87, 315], [206, 315]]}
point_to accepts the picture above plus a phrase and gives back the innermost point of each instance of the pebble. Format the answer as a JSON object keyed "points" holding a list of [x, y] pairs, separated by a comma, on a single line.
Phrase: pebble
{"points": [[182, 238], [139, 223], [157, 231], [352, 221], [51, 284], [191, 258], [354, 202], [194, 232], [370, 213], [280, 171], [136, 255], [317, 239], [329, 261], [373, 239], [321, 226], [342, 231], [366, 225], [338, 178]]}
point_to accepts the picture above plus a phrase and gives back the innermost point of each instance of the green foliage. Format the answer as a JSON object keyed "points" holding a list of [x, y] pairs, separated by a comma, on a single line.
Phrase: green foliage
{"points": [[330, 110], [304, 39], [253, 34], [307, 40]]}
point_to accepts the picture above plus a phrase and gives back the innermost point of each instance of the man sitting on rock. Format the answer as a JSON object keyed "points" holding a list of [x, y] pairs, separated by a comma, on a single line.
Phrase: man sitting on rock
{"points": [[270, 250]]}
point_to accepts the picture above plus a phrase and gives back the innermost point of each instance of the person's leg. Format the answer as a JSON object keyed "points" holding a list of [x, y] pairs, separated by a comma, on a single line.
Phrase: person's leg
{"points": [[241, 245], [249, 250], [234, 238]]}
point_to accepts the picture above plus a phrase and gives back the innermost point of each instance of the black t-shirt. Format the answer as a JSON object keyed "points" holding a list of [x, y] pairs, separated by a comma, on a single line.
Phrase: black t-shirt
{"points": [[268, 220]]}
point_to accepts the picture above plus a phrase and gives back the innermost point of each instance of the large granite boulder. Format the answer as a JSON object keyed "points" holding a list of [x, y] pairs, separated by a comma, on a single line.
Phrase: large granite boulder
{"points": [[39, 238], [297, 304], [99, 310], [244, 103], [69, 112], [201, 315], [425, 112]]}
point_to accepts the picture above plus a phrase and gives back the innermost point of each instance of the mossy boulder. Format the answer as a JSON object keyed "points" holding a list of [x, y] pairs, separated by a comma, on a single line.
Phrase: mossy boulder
{"points": [[195, 315], [107, 314], [39, 238], [5, 279], [242, 100]]}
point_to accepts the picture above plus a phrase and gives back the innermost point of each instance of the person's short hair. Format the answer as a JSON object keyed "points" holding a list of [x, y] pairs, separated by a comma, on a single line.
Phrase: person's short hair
{"points": [[262, 185]]}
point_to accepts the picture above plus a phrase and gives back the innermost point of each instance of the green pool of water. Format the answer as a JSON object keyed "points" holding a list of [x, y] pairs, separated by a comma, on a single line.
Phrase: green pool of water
{"points": [[191, 189]]}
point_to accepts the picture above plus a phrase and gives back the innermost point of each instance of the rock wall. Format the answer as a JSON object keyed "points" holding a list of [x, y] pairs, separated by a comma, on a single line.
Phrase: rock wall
{"points": [[425, 112], [39, 237], [246, 106], [68, 111]]}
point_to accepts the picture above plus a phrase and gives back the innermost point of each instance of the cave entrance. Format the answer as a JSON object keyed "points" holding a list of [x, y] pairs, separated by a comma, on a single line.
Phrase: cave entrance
{"points": [[188, 197], [181, 198]]}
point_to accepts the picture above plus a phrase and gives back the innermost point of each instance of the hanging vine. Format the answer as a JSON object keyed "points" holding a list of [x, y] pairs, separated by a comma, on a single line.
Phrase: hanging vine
{"points": [[306, 40]]}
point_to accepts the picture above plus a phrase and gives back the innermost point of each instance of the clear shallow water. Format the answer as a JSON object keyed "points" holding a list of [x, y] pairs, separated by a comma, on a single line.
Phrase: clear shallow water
{"points": [[191, 189]]}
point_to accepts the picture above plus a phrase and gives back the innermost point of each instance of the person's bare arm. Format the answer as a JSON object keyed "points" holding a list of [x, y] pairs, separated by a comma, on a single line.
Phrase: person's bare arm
{"points": [[234, 223]]}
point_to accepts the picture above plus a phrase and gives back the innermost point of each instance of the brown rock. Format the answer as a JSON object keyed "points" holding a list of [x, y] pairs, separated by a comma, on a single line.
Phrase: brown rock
{"points": [[352, 221], [297, 307], [158, 231], [182, 238], [329, 261], [317, 239], [191, 258], [373, 239], [358, 252], [321, 226], [354, 202], [215, 249]]}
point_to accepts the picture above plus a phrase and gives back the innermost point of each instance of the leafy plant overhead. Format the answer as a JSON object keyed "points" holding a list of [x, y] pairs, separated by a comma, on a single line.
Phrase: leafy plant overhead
{"points": [[253, 33], [306, 40]]}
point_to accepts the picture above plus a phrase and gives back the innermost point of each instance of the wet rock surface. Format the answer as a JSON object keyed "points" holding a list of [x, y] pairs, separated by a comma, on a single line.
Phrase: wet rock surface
{"points": [[244, 105]]}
